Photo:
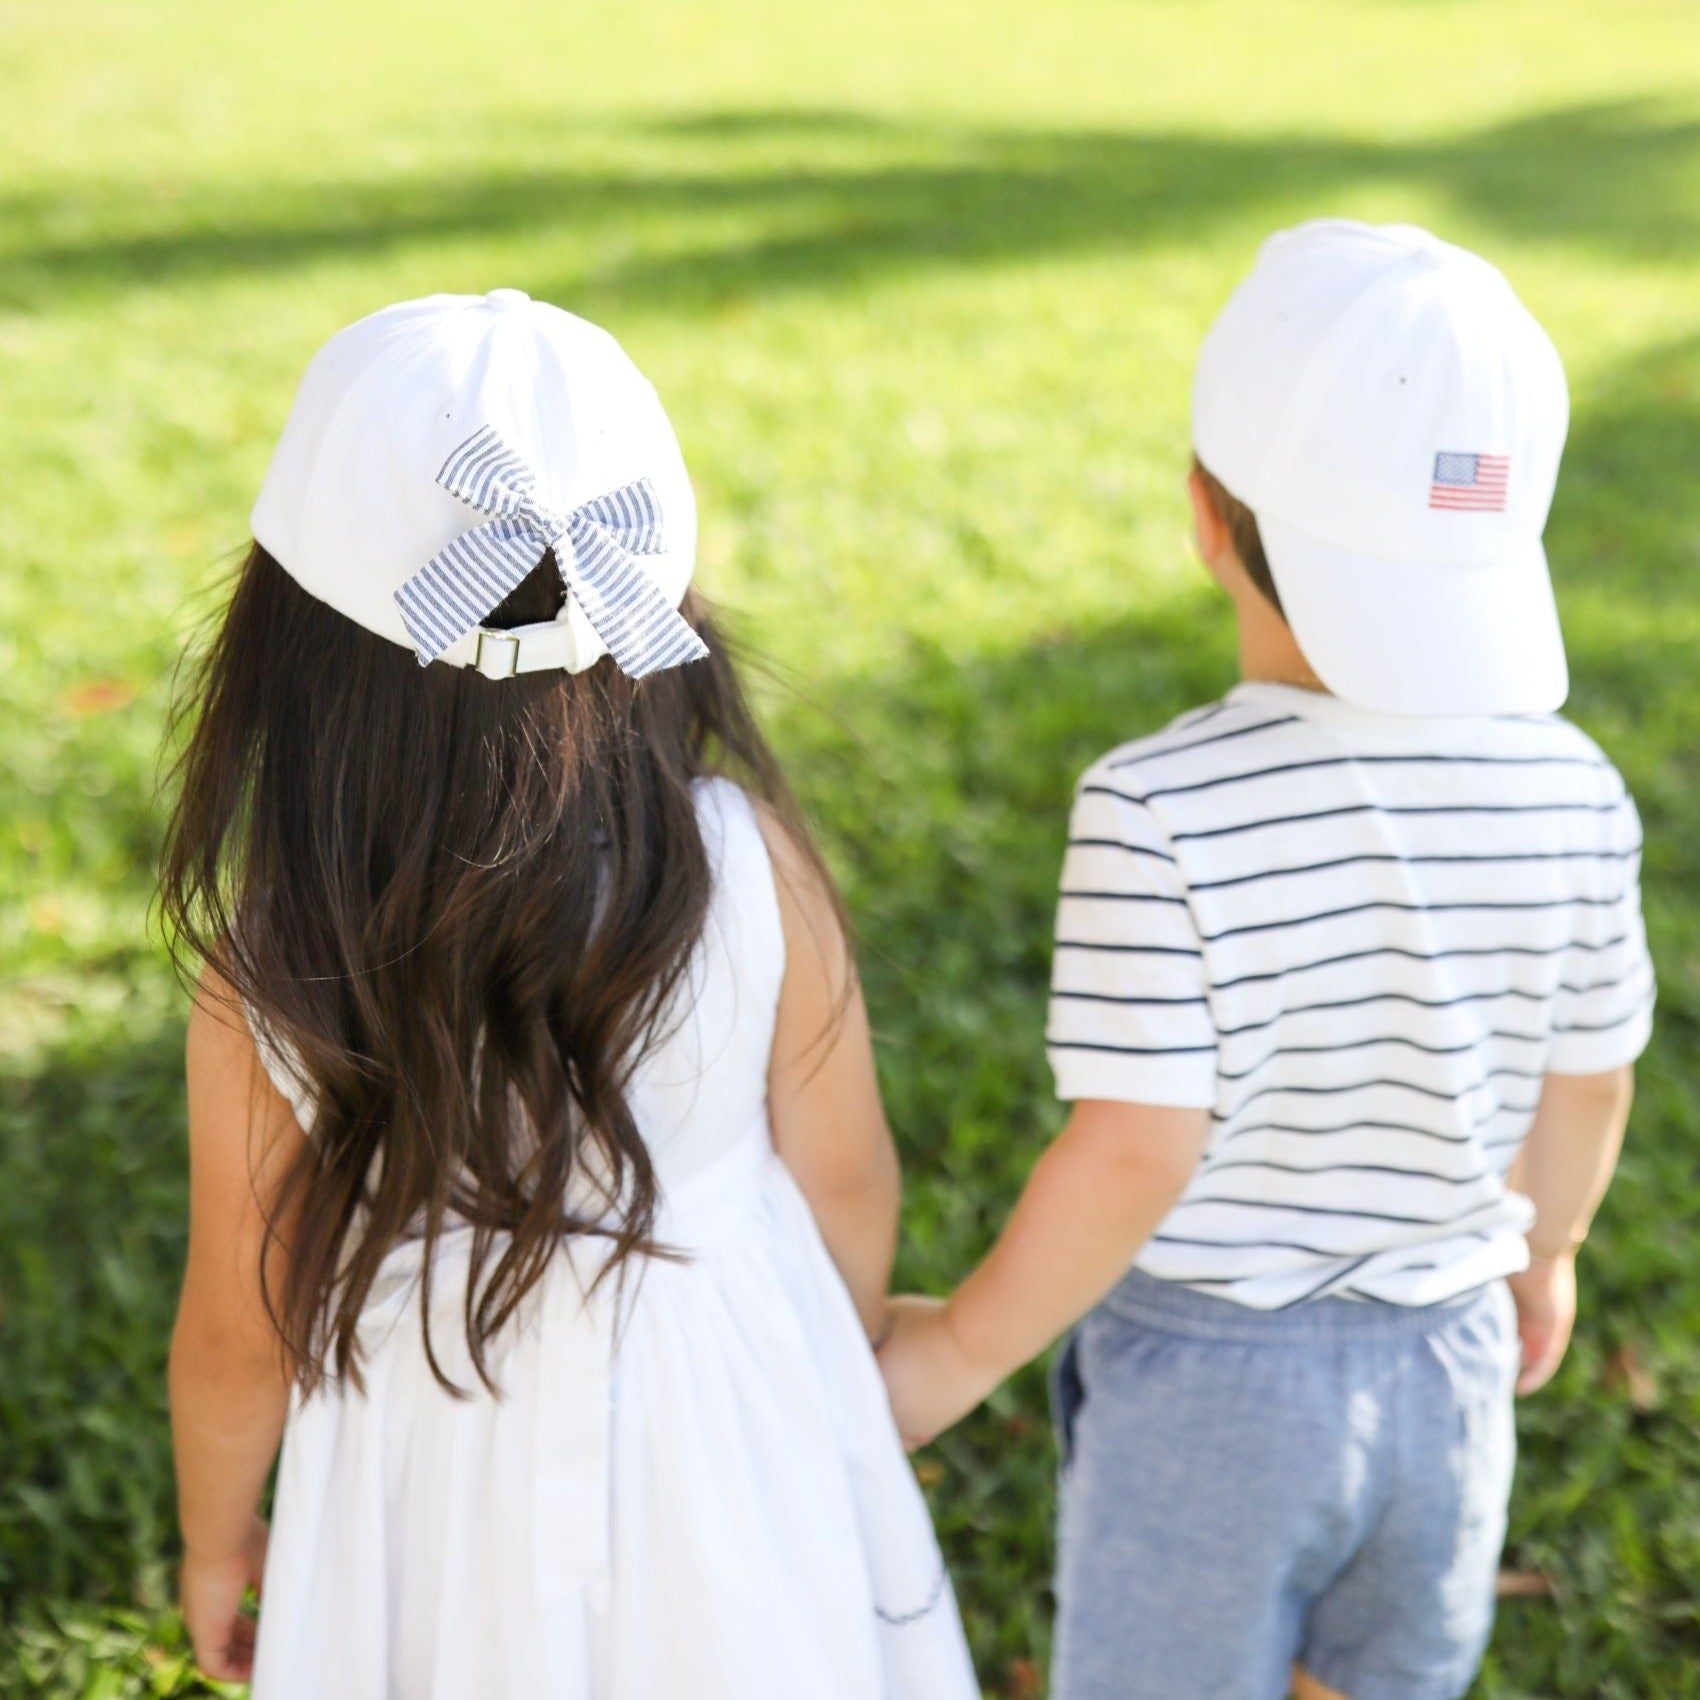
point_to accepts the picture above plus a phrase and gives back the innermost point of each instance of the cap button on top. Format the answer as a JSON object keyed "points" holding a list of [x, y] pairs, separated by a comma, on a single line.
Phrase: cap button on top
{"points": [[506, 300]]}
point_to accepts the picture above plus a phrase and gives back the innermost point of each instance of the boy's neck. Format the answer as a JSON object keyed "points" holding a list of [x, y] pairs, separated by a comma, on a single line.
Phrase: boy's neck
{"points": [[1269, 653]]}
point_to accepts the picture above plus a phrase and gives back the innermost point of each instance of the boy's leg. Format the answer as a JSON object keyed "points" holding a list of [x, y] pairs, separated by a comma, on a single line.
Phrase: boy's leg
{"points": [[1410, 1616], [1211, 1488], [1306, 1687]]}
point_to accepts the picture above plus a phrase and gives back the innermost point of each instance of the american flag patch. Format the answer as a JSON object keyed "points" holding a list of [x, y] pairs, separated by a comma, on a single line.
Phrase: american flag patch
{"points": [[1470, 483]]}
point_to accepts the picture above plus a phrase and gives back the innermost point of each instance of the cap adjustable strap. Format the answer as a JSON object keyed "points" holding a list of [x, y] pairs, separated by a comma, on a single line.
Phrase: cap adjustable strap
{"points": [[500, 654]]}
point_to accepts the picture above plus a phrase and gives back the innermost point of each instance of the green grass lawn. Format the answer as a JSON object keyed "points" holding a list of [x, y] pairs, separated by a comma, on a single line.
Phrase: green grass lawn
{"points": [[921, 282]]}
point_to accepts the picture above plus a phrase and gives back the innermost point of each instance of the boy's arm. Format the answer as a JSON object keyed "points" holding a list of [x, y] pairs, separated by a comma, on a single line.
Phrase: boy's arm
{"points": [[829, 1125], [1133, 1048], [1093, 1199], [1564, 1168], [229, 1381], [1602, 1018]]}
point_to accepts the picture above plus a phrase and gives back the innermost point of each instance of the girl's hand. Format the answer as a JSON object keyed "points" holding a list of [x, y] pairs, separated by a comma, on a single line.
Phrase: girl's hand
{"points": [[931, 1381], [212, 1591], [1546, 1312]]}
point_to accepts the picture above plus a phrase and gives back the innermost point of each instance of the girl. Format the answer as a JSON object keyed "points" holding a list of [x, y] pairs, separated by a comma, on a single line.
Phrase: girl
{"points": [[541, 1200]]}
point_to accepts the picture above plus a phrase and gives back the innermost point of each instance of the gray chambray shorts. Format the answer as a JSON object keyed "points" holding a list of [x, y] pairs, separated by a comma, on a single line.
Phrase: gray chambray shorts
{"points": [[1243, 1489]]}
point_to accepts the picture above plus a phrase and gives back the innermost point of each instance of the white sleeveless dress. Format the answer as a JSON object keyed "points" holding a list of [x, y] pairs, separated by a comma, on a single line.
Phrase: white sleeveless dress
{"points": [[692, 1492]]}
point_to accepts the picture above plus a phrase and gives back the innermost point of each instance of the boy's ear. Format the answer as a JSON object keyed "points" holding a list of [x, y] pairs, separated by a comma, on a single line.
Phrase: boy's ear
{"points": [[1209, 530]]}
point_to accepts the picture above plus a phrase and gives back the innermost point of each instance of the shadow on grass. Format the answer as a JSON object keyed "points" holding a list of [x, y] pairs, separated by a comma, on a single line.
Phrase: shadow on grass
{"points": [[818, 200], [92, 1230], [1625, 548]]}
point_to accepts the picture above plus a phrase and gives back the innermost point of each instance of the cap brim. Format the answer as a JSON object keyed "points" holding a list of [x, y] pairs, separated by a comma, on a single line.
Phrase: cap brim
{"points": [[1422, 637]]}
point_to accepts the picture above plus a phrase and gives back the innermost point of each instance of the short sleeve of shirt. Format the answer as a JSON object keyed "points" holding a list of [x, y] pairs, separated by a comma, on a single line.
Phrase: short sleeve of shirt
{"points": [[1603, 1014], [1129, 1014]]}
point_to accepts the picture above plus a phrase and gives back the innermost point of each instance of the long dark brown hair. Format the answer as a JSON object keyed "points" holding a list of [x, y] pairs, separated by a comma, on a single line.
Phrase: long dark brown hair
{"points": [[461, 907]]}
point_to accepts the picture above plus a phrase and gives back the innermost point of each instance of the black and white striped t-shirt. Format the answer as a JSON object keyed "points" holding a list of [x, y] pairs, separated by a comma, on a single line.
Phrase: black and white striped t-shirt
{"points": [[1361, 942]]}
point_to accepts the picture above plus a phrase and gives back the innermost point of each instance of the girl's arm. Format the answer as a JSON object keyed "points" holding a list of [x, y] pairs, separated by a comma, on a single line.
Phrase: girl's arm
{"points": [[228, 1376], [828, 1123], [1093, 1199]]}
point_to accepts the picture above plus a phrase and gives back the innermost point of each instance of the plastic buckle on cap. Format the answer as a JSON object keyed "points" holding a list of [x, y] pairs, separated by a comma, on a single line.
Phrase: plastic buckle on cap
{"points": [[492, 659]]}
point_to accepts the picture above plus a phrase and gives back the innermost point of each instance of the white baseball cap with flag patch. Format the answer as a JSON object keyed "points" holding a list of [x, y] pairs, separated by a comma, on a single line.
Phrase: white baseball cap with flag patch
{"points": [[439, 447], [1393, 416]]}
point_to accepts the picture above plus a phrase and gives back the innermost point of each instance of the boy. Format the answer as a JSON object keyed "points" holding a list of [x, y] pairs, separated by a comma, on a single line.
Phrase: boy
{"points": [[1349, 977]]}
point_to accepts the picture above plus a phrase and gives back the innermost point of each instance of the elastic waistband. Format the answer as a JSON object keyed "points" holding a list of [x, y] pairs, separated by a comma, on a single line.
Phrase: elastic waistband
{"points": [[1176, 1309]]}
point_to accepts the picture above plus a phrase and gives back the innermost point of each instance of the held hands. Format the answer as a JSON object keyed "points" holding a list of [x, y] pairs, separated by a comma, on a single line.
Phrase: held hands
{"points": [[1546, 1312], [212, 1591], [931, 1380]]}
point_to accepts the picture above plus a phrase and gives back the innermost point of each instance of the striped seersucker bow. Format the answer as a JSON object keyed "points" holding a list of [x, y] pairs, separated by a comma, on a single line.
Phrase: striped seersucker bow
{"points": [[595, 546]]}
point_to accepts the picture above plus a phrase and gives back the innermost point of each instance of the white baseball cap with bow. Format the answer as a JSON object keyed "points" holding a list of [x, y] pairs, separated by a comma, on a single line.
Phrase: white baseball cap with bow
{"points": [[439, 447]]}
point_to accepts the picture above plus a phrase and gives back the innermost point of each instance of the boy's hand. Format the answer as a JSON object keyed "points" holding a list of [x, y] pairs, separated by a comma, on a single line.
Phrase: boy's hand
{"points": [[931, 1381], [212, 1591], [1546, 1312]]}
